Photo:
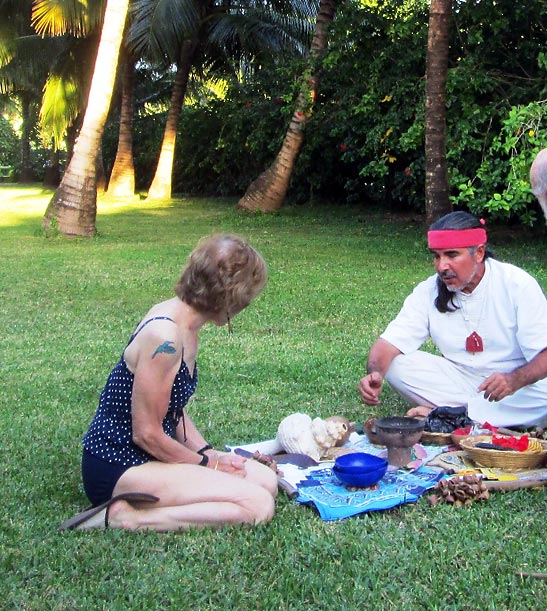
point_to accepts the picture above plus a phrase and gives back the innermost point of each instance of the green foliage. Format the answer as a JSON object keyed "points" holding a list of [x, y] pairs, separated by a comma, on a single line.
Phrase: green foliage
{"points": [[9, 143], [223, 147], [495, 90], [364, 142], [501, 187], [55, 18], [222, 144], [337, 276]]}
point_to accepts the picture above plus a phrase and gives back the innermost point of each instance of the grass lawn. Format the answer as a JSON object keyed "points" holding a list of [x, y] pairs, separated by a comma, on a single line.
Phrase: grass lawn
{"points": [[336, 278]]}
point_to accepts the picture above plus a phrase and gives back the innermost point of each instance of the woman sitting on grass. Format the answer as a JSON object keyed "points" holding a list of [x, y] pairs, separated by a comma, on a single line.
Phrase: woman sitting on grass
{"points": [[145, 465]]}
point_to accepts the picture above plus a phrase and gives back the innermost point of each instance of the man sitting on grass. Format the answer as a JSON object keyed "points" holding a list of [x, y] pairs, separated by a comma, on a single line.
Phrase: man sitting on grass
{"points": [[489, 322]]}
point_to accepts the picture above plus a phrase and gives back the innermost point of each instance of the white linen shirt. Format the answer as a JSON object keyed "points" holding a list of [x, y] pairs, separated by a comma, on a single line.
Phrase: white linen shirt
{"points": [[508, 309]]}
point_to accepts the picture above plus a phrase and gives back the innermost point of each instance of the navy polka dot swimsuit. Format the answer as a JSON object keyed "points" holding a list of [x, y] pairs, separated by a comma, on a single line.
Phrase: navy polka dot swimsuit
{"points": [[109, 437]]}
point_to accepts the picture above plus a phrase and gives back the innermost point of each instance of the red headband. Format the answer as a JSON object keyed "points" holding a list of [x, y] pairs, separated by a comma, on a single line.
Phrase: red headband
{"points": [[456, 238]]}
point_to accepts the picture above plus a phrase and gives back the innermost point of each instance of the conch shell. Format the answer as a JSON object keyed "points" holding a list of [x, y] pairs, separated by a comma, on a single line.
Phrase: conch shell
{"points": [[299, 433]]}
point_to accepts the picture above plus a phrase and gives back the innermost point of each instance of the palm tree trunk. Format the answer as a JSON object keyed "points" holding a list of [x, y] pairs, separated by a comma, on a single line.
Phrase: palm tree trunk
{"points": [[437, 202], [52, 174], [268, 191], [122, 178], [26, 175], [162, 182], [100, 171], [73, 208]]}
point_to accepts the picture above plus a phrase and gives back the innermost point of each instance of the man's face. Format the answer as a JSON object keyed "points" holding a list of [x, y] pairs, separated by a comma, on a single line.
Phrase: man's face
{"points": [[458, 268]]}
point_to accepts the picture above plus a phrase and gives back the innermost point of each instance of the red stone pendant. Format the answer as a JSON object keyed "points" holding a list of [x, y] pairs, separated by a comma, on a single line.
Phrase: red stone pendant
{"points": [[474, 343]]}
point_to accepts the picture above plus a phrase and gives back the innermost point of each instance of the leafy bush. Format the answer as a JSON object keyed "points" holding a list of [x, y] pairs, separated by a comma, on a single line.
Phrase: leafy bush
{"points": [[9, 143], [501, 185], [223, 146]]}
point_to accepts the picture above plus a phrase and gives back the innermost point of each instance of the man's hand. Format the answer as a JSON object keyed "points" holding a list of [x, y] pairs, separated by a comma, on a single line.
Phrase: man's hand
{"points": [[498, 386], [370, 388]]}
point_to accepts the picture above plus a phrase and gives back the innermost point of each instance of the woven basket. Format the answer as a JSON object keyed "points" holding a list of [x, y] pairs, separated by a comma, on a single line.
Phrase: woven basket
{"points": [[435, 439], [508, 460]]}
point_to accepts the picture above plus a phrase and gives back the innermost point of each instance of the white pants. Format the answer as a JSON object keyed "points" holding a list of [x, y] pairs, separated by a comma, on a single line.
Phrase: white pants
{"points": [[426, 379]]}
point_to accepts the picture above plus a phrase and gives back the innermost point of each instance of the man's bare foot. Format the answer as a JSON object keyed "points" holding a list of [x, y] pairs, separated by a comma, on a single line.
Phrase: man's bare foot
{"points": [[420, 411]]}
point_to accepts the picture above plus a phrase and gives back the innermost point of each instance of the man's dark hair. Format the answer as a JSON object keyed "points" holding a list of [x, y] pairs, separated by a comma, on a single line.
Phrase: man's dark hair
{"points": [[444, 301]]}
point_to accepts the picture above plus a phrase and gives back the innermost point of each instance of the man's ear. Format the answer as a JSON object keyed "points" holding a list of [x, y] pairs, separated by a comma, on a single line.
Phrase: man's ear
{"points": [[480, 252]]}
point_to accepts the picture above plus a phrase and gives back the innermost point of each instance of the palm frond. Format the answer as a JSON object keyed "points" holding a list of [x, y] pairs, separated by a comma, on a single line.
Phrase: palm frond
{"points": [[257, 31], [26, 64], [158, 27], [60, 107], [75, 17]]}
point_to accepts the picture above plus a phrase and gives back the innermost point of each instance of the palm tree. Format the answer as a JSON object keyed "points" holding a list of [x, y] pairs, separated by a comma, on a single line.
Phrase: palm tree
{"points": [[437, 202], [217, 35], [149, 38], [23, 70], [122, 177], [73, 208], [268, 191], [162, 181]]}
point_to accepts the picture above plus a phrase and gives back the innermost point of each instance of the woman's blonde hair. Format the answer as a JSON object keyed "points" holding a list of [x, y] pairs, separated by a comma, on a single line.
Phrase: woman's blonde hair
{"points": [[222, 274]]}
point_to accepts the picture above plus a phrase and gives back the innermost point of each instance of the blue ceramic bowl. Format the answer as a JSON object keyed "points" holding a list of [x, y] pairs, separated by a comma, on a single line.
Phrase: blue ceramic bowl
{"points": [[361, 480], [359, 469], [359, 462]]}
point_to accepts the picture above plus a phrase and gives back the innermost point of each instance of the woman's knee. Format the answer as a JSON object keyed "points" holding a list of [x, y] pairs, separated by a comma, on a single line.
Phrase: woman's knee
{"points": [[261, 507], [270, 482], [262, 475]]}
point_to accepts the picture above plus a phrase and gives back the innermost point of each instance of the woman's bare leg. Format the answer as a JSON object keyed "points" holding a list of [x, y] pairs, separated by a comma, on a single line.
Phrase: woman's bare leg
{"points": [[193, 496]]}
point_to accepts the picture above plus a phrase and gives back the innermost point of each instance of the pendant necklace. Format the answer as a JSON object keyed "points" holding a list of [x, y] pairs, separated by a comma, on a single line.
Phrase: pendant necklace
{"points": [[473, 342]]}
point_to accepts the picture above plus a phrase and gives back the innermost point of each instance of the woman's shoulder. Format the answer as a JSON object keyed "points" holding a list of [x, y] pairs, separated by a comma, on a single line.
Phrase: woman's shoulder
{"points": [[156, 335]]}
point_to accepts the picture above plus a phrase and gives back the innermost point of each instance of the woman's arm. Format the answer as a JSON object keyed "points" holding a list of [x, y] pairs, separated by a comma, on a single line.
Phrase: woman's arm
{"points": [[156, 363], [194, 439]]}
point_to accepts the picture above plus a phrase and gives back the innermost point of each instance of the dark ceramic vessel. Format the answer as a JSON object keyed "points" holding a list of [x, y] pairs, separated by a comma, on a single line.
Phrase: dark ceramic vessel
{"points": [[398, 434]]}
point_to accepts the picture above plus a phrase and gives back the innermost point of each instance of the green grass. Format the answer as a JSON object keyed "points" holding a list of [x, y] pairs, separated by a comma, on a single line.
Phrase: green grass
{"points": [[336, 278]]}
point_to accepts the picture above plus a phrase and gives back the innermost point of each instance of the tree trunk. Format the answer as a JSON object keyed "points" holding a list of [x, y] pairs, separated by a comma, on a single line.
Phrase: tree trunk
{"points": [[437, 202], [122, 178], [100, 171], [26, 174], [52, 175], [73, 208], [268, 191], [162, 182]]}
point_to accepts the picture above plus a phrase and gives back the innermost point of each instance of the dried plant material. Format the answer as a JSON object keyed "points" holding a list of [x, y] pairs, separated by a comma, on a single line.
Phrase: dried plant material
{"points": [[459, 491]]}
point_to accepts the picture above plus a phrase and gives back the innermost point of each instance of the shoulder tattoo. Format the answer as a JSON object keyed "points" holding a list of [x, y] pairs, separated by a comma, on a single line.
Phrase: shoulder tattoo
{"points": [[165, 348]]}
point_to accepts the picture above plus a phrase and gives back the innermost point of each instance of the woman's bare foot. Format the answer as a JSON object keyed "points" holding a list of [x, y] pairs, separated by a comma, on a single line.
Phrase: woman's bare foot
{"points": [[122, 515]]}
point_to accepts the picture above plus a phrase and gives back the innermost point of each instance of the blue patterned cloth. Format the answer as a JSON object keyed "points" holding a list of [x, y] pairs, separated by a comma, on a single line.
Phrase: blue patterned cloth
{"points": [[334, 501]]}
